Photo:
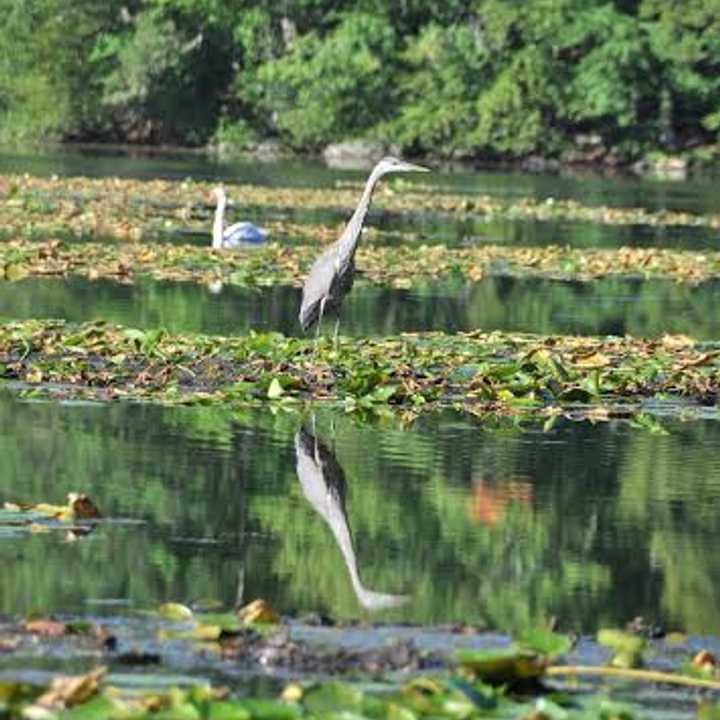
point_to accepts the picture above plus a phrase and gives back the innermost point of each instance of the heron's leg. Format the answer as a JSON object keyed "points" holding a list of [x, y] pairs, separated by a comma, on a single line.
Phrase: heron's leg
{"points": [[320, 317], [316, 452], [335, 334]]}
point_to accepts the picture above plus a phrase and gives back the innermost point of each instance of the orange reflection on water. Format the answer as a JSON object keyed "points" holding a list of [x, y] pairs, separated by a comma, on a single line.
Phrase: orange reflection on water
{"points": [[490, 500]]}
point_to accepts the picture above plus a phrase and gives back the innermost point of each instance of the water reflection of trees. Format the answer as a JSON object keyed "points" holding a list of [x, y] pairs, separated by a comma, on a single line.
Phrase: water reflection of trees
{"points": [[611, 306], [616, 523]]}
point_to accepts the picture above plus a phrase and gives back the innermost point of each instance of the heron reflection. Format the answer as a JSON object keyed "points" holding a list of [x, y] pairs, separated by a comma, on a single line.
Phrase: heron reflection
{"points": [[323, 483]]}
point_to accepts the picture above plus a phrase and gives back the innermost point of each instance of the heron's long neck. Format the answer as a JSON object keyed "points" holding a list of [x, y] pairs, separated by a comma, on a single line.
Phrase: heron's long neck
{"points": [[349, 239], [217, 233]]}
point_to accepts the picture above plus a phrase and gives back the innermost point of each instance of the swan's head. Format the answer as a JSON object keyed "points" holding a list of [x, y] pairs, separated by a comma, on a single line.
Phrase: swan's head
{"points": [[218, 194], [391, 164]]}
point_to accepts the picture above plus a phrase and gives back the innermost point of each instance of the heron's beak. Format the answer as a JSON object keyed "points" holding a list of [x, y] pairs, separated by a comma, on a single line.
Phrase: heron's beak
{"points": [[410, 167]]}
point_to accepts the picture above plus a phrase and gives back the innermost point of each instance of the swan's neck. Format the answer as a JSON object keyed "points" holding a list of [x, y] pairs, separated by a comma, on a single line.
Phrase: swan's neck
{"points": [[217, 233]]}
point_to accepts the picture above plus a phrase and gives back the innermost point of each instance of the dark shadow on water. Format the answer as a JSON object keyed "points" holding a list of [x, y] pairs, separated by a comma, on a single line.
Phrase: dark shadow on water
{"points": [[611, 306]]}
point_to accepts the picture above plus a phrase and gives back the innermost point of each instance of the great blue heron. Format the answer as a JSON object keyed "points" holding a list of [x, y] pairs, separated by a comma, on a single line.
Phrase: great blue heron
{"points": [[331, 275], [237, 235], [323, 483]]}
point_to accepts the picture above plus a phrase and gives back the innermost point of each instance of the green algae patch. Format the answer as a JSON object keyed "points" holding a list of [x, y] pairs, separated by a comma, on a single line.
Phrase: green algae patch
{"points": [[398, 266], [495, 371]]}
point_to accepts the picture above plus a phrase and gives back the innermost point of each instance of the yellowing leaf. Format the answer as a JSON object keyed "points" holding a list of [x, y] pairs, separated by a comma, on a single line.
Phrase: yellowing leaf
{"points": [[199, 632], [16, 271], [677, 342], [258, 611], [34, 376], [596, 360], [292, 693], [43, 626], [67, 691]]}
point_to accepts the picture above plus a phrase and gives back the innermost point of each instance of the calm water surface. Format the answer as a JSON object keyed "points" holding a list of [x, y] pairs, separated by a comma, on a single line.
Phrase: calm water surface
{"points": [[606, 307], [697, 194], [449, 519]]}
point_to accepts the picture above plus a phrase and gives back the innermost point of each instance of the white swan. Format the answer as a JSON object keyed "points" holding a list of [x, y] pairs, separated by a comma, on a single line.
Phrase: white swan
{"points": [[242, 234]]}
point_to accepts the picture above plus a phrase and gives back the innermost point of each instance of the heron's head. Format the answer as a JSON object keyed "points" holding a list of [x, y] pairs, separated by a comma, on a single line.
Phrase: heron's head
{"points": [[392, 164]]}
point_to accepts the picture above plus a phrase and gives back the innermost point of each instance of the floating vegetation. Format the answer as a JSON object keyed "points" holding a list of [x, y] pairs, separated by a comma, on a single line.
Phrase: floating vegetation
{"points": [[75, 519], [398, 266], [495, 371], [499, 376], [511, 682], [131, 209]]}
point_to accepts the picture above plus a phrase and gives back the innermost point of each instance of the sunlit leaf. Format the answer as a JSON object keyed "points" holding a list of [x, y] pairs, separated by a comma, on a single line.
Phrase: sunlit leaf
{"points": [[501, 666], [545, 642], [275, 390], [257, 612], [175, 611], [333, 697]]}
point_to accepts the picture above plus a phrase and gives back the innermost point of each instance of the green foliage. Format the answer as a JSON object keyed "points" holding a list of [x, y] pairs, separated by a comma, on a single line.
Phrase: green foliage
{"points": [[312, 102], [164, 76], [513, 113], [238, 134], [46, 90], [439, 87], [492, 77]]}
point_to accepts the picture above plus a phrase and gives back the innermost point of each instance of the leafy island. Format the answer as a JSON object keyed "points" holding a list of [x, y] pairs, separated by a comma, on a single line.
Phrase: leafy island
{"points": [[495, 371]]}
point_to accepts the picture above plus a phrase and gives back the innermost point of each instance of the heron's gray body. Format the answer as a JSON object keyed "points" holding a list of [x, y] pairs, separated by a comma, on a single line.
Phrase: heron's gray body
{"points": [[331, 276], [330, 279]]}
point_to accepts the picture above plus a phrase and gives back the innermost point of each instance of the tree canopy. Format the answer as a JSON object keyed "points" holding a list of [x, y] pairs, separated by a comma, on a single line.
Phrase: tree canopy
{"points": [[492, 78]]}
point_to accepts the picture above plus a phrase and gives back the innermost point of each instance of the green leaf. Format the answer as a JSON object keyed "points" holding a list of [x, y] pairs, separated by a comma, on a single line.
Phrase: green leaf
{"points": [[183, 711], [620, 640], [501, 666], [544, 641], [575, 395], [227, 621], [97, 708], [226, 710], [333, 696], [270, 709]]}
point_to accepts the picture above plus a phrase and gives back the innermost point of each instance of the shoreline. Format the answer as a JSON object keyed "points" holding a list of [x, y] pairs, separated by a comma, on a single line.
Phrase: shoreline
{"points": [[675, 166]]}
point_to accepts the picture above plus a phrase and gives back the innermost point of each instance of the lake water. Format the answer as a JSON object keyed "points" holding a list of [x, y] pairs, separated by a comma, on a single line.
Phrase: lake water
{"points": [[605, 307], [450, 519], [698, 194]]}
